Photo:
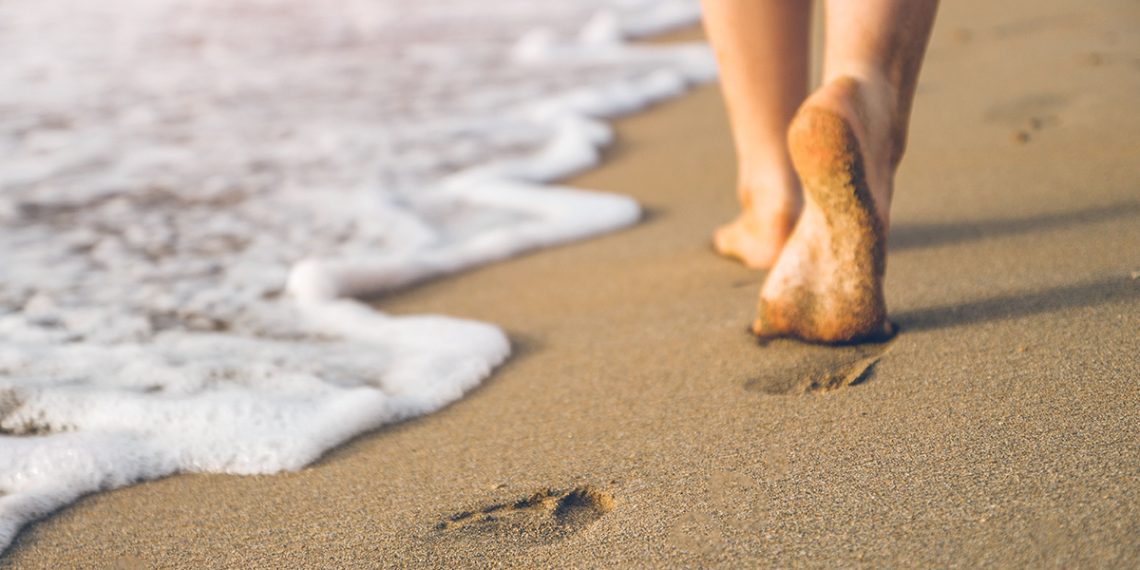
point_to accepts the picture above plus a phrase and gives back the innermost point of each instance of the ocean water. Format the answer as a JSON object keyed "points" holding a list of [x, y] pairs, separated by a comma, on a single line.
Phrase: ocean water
{"points": [[193, 193]]}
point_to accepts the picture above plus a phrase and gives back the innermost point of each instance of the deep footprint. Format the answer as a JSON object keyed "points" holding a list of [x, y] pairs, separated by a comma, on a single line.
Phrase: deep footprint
{"points": [[810, 369], [543, 517]]}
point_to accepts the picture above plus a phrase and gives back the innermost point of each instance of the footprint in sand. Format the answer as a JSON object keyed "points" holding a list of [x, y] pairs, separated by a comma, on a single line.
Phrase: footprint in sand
{"points": [[1028, 115], [544, 517], [818, 369], [848, 374]]}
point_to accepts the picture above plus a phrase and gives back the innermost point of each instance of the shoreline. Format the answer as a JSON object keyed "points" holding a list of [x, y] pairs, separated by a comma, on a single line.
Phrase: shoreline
{"points": [[999, 430], [146, 444]]}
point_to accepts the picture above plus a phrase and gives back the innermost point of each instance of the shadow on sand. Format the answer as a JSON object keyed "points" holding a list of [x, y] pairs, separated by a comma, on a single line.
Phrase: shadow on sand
{"points": [[908, 236], [1022, 304]]}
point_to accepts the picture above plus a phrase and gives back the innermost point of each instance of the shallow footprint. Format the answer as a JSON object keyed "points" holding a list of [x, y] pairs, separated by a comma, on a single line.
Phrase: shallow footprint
{"points": [[848, 374], [813, 369], [1027, 115], [544, 517]]}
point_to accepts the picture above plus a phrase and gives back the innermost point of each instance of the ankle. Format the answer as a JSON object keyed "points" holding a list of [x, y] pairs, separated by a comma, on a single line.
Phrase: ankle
{"points": [[871, 97], [866, 101]]}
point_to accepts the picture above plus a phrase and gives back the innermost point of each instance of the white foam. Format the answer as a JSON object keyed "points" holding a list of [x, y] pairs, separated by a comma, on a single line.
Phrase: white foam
{"points": [[191, 190]]}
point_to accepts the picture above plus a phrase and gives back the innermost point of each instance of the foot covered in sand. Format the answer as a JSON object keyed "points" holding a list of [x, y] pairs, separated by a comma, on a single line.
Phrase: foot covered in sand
{"points": [[827, 284]]}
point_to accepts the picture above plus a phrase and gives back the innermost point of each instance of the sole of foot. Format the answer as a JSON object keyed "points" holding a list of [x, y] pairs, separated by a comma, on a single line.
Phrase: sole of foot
{"points": [[827, 285]]}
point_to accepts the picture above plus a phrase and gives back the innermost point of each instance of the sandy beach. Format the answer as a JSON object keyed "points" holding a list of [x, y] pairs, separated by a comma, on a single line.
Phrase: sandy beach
{"points": [[639, 425]]}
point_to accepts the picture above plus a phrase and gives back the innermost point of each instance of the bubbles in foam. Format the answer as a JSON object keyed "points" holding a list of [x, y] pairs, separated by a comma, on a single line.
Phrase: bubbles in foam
{"points": [[190, 190]]}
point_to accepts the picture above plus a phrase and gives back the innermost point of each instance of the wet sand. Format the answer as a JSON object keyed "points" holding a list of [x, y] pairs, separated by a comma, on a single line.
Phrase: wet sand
{"points": [[639, 425]]}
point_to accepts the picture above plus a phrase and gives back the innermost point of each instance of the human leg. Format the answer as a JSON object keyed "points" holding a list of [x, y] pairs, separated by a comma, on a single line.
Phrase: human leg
{"points": [[761, 48], [846, 142]]}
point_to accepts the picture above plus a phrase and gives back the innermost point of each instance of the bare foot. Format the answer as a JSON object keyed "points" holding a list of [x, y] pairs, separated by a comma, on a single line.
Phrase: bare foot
{"points": [[827, 285], [759, 233]]}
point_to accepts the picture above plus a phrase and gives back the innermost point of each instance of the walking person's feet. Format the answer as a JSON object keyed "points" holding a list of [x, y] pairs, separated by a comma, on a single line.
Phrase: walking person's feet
{"points": [[766, 220], [827, 284]]}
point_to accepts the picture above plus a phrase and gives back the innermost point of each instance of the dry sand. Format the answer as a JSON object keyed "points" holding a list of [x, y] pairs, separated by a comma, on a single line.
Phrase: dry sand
{"points": [[1002, 426]]}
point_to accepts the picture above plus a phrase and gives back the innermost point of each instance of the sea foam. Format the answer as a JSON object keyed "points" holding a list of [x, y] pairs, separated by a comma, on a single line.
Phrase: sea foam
{"points": [[192, 192]]}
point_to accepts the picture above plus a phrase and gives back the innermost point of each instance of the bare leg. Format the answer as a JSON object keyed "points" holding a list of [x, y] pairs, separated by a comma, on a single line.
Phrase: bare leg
{"points": [[761, 48], [846, 142]]}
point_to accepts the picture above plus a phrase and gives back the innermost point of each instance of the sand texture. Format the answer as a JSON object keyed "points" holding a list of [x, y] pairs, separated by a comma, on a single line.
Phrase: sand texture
{"points": [[639, 425]]}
